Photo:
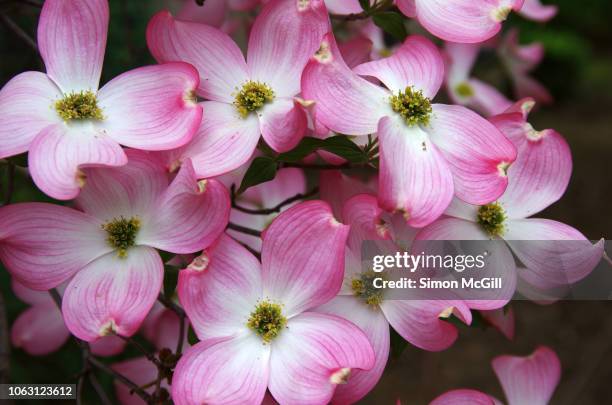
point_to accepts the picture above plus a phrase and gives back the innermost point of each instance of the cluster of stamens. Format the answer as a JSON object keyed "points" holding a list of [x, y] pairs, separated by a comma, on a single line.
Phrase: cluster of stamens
{"points": [[79, 106], [491, 217], [267, 320], [413, 106], [363, 287], [122, 233], [252, 97]]}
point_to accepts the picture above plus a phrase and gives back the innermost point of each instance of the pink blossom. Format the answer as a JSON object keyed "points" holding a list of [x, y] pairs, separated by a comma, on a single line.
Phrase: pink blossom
{"points": [[268, 336], [246, 98], [525, 380], [425, 157], [467, 21], [40, 329], [538, 178], [108, 248], [66, 123], [535, 10], [466, 90]]}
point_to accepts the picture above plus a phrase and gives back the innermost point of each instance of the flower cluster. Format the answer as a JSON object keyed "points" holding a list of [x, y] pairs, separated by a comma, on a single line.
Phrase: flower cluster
{"points": [[272, 286]]}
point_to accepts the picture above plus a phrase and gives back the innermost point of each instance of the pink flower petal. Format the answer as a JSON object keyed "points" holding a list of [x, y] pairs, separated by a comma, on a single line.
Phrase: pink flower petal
{"points": [[152, 107], [72, 40], [335, 188], [313, 355], [487, 99], [374, 324], [26, 108], [212, 13], [226, 272], [464, 20], [452, 229], [416, 63], [284, 36], [233, 372], [139, 370], [39, 330], [292, 274], [32, 297], [477, 152], [59, 151], [224, 142], [189, 215], [340, 94], [163, 330], [113, 294], [535, 10], [343, 6], [414, 177], [529, 380], [463, 397], [42, 245], [130, 190], [364, 216], [501, 319], [215, 55], [289, 181], [283, 124], [355, 51], [107, 346], [461, 59], [553, 253], [408, 7]]}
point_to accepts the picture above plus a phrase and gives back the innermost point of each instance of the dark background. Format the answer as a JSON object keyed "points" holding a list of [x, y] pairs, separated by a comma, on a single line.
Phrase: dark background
{"points": [[577, 70]]}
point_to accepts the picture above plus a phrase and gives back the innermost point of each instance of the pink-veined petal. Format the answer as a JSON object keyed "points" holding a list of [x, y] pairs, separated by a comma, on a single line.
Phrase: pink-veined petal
{"points": [[152, 107], [408, 7], [212, 13], [72, 41], [336, 188], [226, 272], [501, 319], [461, 59], [529, 380], [355, 51], [283, 124], [414, 177], [375, 326], [42, 245], [189, 215], [232, 372], [107, 346], [478, 153], [464, 20], [292, 274], [139, 370], [364, 216], [416, 63], [314, 354], [59, 151], [289, 181], [284, 36], [32, 297], [553, 253], [340, 95], [463, 397], [343, 6], [487, 99], [39, 330], [113, 294], [224, 142], [535, 10], [26, 108], [215, 55]]}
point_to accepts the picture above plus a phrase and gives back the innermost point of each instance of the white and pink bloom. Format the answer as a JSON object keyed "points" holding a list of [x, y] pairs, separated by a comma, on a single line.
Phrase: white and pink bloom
{"points": [[535, 10], [538, 178], [428, 152], [468, 21], [108, 246], [525, 380], [67, 123], [255, 321], [246, 98]]}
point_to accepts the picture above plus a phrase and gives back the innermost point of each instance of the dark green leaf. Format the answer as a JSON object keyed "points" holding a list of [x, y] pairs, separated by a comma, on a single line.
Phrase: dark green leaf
{"points": [[342, 146], [261, 170], [365, 4], [398, 344], [392, 23], [170, 281], [192, 338], [305, 148]]}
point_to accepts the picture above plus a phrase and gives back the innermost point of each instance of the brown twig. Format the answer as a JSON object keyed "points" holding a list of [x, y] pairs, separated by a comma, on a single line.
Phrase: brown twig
{"points": [[168, 303], [150, 356], [17, 30], [276, 208], [123, 379], [244, 229], [5, 348]]}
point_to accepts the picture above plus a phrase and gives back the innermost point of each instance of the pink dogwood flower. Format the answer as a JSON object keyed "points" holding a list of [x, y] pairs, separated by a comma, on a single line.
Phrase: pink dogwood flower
{"points": [[67, 123], [246, 98], [538, 178], [428, 152], [535, 10], [40, 329], [525, 380], [467, 21], [108, 246], [269, 336], [466, 90]]}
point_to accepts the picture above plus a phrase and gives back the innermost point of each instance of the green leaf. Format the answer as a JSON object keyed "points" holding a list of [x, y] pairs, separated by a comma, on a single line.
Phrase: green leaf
{"points": [[192, 338], [305, 148], [398, 344], [262, 169], [365, 4], [392, 23], [342, 146]]}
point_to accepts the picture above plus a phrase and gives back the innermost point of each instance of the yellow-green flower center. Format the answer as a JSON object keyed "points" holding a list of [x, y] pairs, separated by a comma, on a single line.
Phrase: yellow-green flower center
{"points": [[122, 233], [491, 217], [363, 287], [464, 90], [252, 97], [267, 320], [79, 106], [412, 105]]}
